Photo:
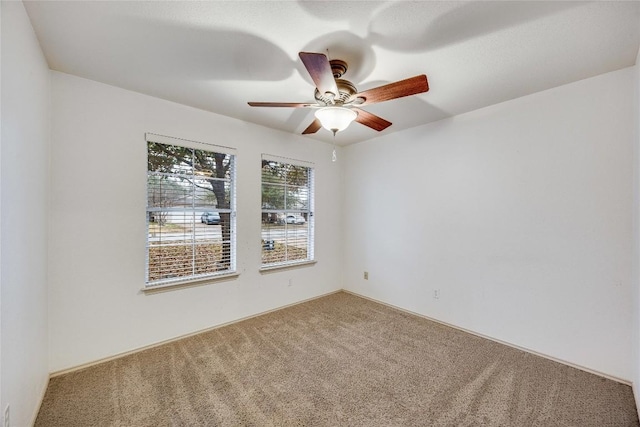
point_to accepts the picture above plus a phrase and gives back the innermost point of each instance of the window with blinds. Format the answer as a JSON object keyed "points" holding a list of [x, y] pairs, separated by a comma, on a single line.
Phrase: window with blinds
{"points": [[190, 212], [287, 212]]}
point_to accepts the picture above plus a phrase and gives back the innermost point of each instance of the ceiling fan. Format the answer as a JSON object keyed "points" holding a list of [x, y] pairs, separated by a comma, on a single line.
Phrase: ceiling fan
{"points": [[338, 100]]}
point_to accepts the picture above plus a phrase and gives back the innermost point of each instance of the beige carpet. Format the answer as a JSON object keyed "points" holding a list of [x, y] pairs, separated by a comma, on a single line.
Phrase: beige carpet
{"points": [[337, 361]]}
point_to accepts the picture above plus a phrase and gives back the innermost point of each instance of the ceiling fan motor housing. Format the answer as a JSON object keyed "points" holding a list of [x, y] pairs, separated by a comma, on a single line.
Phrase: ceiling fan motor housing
{"points": [[346, 90]]}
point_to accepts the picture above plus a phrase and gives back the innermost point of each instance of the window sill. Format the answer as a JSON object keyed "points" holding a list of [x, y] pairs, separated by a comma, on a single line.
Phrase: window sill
{"points": [[273, 268], [164, 287]]}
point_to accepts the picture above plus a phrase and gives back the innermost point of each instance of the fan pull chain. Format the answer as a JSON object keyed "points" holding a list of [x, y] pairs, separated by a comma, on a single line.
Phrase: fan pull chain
{"points": [[333, 155]]}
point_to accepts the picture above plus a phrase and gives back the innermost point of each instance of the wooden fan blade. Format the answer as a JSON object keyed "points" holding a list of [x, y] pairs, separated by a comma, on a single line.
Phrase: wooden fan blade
{"points": [[319, 69], [281, 104], [411, 86], [313, 127], [371, 120]]}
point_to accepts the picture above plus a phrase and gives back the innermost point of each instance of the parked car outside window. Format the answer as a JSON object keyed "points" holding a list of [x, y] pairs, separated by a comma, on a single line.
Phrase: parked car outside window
{"points": [[210, 218], [295, 219]]}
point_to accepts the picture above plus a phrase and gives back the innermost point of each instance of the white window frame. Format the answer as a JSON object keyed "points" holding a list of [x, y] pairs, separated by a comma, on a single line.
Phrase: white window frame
{"points": [[193, 278], [310, 214]]}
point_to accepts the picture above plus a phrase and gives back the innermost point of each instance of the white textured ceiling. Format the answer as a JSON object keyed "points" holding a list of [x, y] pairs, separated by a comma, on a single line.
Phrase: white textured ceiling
{"points": [[218, 55]]}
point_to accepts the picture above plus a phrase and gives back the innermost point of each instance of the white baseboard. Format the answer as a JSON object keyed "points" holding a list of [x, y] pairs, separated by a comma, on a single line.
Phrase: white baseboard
{"points": [[170, 340], [37, 410], [636, 396], [546, 356], [528, 350]]}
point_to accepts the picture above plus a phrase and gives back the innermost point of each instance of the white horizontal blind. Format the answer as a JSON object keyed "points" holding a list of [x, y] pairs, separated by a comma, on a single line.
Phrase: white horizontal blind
{"points": [[287, 212], [190, 213], [186, 143]]}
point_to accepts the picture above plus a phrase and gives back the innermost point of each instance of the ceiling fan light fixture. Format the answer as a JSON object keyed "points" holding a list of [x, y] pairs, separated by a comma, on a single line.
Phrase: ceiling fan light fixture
{"points": [[336, 119], [338, 100]]}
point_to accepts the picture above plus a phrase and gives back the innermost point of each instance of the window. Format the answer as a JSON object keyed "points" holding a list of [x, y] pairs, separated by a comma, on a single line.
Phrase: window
{"points": [[190, 211], [287, 213]]}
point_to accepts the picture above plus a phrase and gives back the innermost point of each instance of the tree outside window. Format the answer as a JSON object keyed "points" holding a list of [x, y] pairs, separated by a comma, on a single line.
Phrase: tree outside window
{"points": [[190, 213]]}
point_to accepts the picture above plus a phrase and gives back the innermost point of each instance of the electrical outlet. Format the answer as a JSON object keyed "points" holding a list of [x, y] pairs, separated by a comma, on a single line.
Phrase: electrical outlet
{"points": [[366, 275], [7, 420], [290, 282], [436, 293]]}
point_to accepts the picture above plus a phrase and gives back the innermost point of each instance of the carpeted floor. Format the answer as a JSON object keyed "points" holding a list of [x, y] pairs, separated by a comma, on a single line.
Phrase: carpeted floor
{"points": [[340, 360]]}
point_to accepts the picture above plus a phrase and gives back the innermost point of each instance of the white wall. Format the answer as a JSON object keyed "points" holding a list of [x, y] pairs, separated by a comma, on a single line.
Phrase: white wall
{"points": [[519, 213], [24, 215], [97, 246]]}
